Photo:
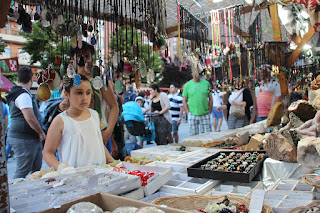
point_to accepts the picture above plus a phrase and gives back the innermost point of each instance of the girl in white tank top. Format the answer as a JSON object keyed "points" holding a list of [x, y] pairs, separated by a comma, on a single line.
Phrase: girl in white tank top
{"points": [[76, 132]]}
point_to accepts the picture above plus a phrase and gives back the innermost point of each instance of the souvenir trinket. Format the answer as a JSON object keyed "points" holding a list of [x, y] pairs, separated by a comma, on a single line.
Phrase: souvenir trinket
{"points": [[66, 81], [70, 70], [76, 80], [97, 83], [93, 40], [43, 92]]}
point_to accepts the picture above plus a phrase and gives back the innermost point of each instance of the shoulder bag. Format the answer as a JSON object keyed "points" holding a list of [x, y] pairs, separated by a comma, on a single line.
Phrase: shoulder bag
{"points": [[238, 111]]}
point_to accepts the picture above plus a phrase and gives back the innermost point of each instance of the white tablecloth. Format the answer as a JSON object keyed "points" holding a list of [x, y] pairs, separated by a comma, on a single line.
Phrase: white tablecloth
{"points": [[274, 169]]}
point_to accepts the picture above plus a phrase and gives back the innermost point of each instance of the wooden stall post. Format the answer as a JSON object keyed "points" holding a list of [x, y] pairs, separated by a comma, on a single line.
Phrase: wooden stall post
{"points": [[4, 191], [282, 75]]}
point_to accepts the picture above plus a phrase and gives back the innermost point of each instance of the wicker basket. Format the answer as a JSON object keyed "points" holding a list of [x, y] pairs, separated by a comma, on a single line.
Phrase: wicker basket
{"points": [[308, 181], [302, 209], [194, 202]]}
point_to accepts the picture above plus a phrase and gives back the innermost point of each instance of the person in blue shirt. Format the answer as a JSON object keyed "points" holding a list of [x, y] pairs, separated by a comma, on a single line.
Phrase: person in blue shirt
{"points": [[129, 95], [5, 114]]}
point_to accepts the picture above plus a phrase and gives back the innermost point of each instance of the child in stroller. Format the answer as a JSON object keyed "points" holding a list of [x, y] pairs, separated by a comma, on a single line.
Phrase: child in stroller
{"points": [[137, 125]]}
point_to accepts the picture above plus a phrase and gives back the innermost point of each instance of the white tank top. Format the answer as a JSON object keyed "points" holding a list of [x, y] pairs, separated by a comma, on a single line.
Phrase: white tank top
{"points": [[81, 143]]}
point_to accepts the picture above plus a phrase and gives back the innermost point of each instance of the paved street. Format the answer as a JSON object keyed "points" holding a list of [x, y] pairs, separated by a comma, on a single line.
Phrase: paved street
{"points": [[183, 133]]}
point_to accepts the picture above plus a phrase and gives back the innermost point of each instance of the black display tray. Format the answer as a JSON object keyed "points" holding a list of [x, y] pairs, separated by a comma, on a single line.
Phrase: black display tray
{"points": [[196, 171]]}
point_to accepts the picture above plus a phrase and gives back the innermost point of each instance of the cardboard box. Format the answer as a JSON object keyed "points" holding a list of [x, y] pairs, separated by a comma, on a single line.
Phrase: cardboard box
{"points": [[109, 202], [196, 171], [162, 175]]}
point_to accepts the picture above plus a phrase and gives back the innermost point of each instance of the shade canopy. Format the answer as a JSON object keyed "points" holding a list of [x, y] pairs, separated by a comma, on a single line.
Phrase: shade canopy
{"points": [[6, 84]]}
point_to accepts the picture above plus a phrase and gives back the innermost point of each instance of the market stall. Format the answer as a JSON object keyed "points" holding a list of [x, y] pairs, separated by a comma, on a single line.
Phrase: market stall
{"points": [[262, 167]]}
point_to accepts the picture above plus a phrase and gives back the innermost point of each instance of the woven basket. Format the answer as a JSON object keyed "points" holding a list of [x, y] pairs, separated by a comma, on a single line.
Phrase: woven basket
{"points": [[308, 181], [194, 202], [301, 209]]}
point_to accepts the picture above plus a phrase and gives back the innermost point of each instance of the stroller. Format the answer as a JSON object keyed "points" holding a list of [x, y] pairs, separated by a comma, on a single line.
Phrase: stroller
{"points": [[136, 122]]}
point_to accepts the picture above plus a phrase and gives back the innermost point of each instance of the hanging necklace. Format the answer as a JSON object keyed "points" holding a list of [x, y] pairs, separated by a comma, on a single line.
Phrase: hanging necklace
{"points": [[225, 27]]}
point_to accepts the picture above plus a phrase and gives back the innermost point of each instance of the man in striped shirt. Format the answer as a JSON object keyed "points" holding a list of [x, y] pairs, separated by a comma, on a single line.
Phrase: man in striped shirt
{"points": [[176, 111]]}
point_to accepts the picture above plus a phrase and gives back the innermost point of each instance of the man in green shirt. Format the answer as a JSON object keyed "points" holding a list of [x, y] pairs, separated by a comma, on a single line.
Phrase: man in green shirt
{"points": [[197, 102]]}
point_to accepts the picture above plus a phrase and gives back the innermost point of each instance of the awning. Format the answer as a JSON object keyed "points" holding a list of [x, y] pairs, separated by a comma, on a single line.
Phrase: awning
{"points": [[6, 85]]}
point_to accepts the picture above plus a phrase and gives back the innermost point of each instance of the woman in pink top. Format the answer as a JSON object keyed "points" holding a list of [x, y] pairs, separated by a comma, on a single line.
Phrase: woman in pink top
{"points": [[264, 103]]}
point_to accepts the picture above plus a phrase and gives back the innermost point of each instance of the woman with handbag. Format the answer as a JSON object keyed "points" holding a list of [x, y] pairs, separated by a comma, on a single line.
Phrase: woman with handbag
{"points": [[239, 103]]}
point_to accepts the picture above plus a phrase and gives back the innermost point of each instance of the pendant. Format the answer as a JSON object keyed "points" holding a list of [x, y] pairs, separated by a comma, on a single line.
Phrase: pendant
{"points": [[118, 86], [60, 18], [62, 70], [54, 24], [45, 23], [73, 42], [66, 81], [93, 40], [115, 60], [77, 80], [90, 28], [137, 79], [150, 76], [44, 14], [97, 83], [71, 29], [143, 69], [43, 92], [70, 70]]}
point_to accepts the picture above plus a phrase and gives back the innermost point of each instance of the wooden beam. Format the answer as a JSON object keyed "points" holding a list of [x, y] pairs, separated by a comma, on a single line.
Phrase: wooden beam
{"points": [[248, 9], [275, 22], [299, 48], [172, 29], [4, 10]]}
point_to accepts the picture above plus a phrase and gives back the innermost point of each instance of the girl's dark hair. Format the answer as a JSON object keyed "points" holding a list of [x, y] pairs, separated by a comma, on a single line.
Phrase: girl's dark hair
{"points": [[155, 87], [69, 82]]}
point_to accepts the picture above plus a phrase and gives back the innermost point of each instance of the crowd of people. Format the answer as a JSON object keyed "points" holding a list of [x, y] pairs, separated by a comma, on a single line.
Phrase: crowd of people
{"points": [[83, 126]]}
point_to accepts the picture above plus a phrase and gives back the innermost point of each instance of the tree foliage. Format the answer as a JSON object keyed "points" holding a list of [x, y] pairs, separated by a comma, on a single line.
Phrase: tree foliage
{"points": [[2, 45], [11, 77], [122, 43], [43, 45], [173, 74]]}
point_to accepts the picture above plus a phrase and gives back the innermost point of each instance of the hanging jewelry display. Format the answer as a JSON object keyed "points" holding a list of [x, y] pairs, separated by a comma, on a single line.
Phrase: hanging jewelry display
{"points": [[193, 29], [75, 20]]}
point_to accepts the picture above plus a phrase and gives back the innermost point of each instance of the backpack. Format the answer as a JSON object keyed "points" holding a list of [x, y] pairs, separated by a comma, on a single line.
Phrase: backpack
{"points": [[50, 112]]}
